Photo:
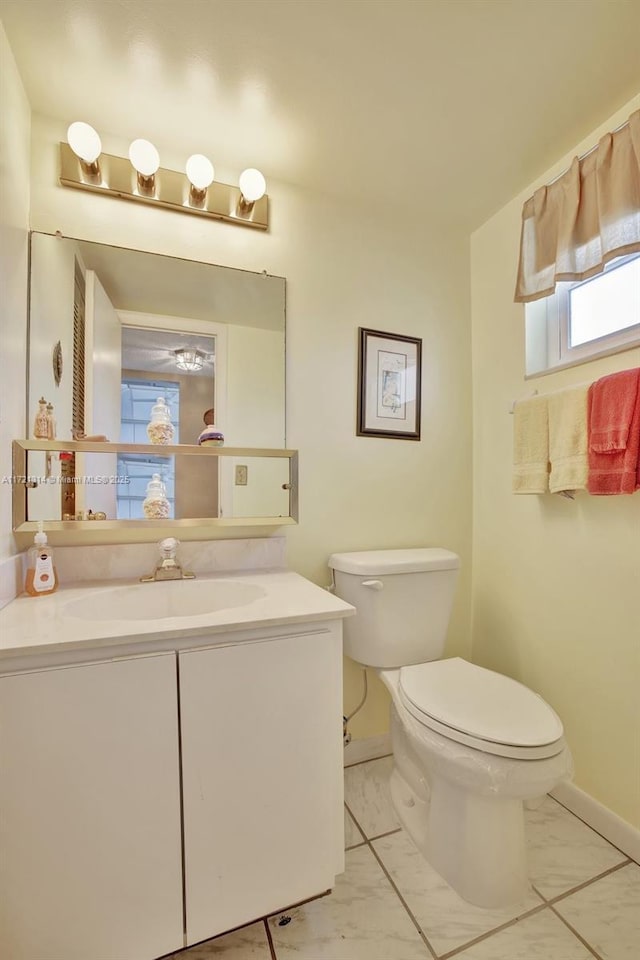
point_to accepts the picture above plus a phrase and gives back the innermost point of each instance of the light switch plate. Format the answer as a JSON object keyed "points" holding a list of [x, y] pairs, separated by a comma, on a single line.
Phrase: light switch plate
{"points": [[241, 474]]}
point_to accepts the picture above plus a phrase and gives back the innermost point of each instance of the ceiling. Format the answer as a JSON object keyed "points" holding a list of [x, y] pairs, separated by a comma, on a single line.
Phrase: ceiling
{"points": [[438, 109], [154, 351]]}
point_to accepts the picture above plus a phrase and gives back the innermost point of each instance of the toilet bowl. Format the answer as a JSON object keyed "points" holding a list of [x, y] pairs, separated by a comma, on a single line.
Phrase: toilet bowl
{"points": [[461, 800], [470, 746]]}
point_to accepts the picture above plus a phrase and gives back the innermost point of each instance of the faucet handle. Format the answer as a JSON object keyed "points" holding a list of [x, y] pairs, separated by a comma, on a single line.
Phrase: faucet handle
{"points": [[168, 548]]}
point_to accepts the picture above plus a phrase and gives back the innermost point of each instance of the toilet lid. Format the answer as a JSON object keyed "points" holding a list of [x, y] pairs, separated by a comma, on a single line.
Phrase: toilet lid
{"points": [[458, 697]]}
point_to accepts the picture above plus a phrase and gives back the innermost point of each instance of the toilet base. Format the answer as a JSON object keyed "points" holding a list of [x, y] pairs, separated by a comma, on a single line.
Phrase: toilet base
{"points": [[464, 808], [476, 843]]}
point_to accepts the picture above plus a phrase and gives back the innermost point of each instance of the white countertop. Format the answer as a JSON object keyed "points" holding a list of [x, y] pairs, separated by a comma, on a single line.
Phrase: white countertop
{"points": [[33, 625]]}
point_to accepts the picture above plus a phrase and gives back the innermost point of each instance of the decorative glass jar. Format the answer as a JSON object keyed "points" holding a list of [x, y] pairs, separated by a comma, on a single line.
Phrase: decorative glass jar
{"points": [[155, 504], [160, 428]]}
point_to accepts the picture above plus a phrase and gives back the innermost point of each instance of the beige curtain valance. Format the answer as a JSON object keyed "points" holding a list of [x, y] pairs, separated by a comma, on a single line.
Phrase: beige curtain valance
{"points": [[591, 214]]}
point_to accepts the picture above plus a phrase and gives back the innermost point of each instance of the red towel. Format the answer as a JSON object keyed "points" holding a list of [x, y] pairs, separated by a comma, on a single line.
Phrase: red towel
{"points": [[614, 433], [614, 401]]}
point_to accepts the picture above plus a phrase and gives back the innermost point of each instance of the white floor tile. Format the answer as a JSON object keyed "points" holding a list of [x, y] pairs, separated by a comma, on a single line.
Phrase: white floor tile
{"points": [[366, 793], [563, 851], [362, 919], [248, 943], [607, 914], [446, 920], [352, 835], [540, 937]]}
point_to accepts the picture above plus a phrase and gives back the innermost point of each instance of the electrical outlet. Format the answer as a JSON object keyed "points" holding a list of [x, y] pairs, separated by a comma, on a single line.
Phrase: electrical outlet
{"points": [[241, 474]]}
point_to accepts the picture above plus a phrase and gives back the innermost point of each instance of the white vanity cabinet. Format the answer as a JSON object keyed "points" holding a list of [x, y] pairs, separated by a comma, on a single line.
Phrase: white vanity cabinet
{"points": [[90, 812], [262, 775], [165, 790]]}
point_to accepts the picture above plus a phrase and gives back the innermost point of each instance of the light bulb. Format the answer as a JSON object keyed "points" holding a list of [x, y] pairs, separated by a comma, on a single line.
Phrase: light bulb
{"points": [[144, 157], [252, 185], [84, 141], [199, 171]]}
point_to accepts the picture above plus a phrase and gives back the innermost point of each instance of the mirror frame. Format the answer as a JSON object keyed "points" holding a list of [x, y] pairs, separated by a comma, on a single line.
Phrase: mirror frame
{"points": [[20, 449]]}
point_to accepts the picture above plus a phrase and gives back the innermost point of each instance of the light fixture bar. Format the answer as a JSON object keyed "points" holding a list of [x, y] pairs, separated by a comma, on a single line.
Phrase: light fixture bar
{"points": [[117, 178]]}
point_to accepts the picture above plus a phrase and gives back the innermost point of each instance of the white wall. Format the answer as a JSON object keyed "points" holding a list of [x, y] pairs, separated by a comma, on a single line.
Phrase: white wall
{"points": [[555, 581], [14, 225], [343, 270], [255, 408], [51, 310], [52, 265], [255, 418]]}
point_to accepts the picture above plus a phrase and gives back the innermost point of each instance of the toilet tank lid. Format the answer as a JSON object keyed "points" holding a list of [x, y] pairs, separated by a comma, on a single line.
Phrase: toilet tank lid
{"points": [[387, 562]]}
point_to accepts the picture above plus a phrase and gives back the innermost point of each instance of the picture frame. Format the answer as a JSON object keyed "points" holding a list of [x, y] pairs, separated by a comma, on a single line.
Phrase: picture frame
{"points": [[389, 385]]}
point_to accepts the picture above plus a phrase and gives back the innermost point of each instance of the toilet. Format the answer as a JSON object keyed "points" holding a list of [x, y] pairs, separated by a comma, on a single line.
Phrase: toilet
{"points": [[470, 746]]}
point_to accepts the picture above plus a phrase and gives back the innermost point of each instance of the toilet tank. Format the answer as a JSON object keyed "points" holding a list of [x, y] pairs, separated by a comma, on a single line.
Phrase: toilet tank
{"points": [[403, 601]]}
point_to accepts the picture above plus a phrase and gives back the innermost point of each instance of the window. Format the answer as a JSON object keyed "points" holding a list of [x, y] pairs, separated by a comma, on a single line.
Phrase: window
{"points": [[585, 319]]}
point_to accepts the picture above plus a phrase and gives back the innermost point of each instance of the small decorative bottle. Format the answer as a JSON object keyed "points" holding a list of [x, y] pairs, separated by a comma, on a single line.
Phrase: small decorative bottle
{"points": [[160, 428], [40, 424], [156, 505], [210, 436], [51, 423]]}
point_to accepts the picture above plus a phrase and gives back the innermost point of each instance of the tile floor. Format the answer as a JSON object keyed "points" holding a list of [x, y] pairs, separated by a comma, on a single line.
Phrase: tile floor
{"points": [[390, 905]]}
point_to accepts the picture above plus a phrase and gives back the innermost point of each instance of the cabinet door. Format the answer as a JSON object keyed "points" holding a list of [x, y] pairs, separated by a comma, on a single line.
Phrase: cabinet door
{"points": [[90, 858], [262, 776]]}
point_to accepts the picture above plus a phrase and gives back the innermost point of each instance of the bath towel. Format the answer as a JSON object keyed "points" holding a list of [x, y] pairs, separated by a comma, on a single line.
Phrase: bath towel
{"points": [[568, 444], [614, 401], [531, 445], [617, 470]]}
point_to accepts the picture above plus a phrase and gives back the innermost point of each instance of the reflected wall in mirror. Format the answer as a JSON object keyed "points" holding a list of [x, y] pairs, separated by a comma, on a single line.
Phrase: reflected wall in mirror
{"points": [[132, 327]]}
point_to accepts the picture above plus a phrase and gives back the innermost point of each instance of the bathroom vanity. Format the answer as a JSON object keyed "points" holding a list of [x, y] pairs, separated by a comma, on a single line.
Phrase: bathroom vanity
{"points": [[169, 775]]}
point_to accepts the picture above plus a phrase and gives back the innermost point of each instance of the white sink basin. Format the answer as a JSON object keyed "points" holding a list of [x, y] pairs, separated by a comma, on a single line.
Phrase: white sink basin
{"points": [[162, 599]]}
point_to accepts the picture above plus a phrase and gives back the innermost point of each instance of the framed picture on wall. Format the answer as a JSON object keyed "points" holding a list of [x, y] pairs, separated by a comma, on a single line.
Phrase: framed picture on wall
{"points": [[389, 384]]}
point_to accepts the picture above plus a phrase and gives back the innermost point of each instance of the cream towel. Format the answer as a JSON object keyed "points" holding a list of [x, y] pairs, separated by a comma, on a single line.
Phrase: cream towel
{"points": [[531, 445], [568, 439]]}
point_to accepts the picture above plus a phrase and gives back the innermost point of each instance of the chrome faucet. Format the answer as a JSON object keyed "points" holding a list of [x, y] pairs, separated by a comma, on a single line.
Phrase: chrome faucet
{"points": [[168, 567]]}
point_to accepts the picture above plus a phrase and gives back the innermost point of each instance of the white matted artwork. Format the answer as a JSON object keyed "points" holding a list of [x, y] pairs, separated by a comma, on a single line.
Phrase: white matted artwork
{"points": [[389, 382]]}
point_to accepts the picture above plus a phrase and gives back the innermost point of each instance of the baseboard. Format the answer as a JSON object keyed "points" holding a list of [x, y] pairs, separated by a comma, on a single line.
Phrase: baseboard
{"points": [[612, 827], [369, 749]]}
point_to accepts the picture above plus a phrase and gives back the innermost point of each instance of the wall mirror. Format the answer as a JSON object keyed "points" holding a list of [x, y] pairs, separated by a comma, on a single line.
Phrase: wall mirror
{"points": [[111, 330]]}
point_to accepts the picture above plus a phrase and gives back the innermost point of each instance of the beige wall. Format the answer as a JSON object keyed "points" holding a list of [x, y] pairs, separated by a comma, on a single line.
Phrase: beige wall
{"points": [[255, 418], [555, 582], [344, 269], [14, 225]]}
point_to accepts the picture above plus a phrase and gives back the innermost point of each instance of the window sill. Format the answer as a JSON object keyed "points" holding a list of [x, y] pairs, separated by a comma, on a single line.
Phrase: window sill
{"points": [[582, 361]]}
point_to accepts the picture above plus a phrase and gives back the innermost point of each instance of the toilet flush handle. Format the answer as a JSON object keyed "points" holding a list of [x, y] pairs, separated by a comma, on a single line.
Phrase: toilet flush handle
{"points": [[372, 584]]}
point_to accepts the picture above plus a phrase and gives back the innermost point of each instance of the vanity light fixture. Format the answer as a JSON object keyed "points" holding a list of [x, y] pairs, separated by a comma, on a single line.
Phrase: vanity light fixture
{"points": [[253, 186], [87, 146], [200, 174], [145, 160], [141, 178], [189, 359]]}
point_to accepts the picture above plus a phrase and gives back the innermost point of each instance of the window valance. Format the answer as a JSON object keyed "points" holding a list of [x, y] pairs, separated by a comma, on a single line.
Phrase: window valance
{"points": [[591, 214]]}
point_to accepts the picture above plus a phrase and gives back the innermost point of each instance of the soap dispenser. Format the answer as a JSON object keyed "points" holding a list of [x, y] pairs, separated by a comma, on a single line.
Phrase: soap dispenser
{"points": [[41, 575], [156, 504], [160, 428]]}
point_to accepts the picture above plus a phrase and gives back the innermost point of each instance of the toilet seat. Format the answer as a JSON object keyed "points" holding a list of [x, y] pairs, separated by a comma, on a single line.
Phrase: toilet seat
{"points": [[482, 709]]}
